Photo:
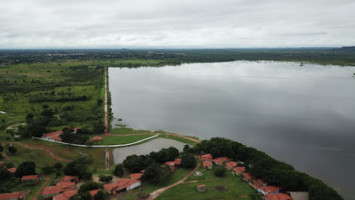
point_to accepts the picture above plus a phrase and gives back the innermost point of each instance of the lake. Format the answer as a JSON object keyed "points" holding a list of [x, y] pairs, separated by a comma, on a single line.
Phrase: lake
{"points": [[301, 114]]}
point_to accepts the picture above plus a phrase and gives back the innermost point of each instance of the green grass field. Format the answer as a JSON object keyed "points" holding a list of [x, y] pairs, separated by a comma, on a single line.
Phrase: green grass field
{"points": [[237, 188], [112, 140]]}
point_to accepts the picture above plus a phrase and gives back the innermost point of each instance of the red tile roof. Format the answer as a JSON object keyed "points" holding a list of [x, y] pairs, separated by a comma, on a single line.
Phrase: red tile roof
{"points": [[12, 170], [66, 184], [239, 170], [247, 176], [125, 183], [65, 195], [206, 157], [136, 176], [231, 164], [110, 186], [278, 196], [206, 163], [203, 185], [68, 178], [14, 195], [94, 192], [270, 189], [221, 160], [29, 177], [258, 183], [97, 138], [177, 161], [52, 190], [54, 135]]}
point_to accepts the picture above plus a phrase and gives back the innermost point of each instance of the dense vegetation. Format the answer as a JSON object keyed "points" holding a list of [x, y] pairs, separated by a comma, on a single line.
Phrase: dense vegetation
{"points": [[274, 172]]}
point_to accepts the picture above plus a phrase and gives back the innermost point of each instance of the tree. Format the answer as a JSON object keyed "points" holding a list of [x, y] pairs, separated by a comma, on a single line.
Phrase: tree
{"points": [[152, 173], [90, 185], [26, 168], [100, 195], [135, 163], [79, 168], [58, 166], [106, 179], [219, 171], [118, 171], [4, 175], [1, 148], [188, 161], [11, 149]]}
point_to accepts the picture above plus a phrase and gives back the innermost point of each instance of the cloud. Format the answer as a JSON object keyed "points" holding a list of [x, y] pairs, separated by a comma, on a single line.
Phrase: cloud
{"points": [[183, 23]]}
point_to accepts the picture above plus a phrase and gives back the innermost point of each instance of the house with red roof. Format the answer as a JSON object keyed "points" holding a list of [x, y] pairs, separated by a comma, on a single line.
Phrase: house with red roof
{"points": [[239, 170], [220, 160], [201, 188], [258, 183], [207, 164], [247, 177], [65, 195], [231, 165], [74, 179], [61, 187], [123, 184], [270, 189], [13, 196], [136, 176], [34, 178], [278, 196], [206, 157], [12, 170], [54, 136]]}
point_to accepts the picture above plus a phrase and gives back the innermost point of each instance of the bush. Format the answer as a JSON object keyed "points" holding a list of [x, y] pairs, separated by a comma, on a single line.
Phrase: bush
{"points": [[118, 171], [106, 179], [188, 161], [26, 168], [219, 171], [11, 149], [47, 169]]}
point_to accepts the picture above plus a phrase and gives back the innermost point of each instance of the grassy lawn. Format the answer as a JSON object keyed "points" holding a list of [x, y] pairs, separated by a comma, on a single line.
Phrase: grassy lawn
{"points": [[237, 189], [124, 131], [184, 140], [148, 188], [111, 140]]}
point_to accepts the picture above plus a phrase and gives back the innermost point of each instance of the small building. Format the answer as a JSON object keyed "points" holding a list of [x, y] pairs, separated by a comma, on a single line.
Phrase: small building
{"points": [[65, 195], [247, 177], [74, 179], [13, 196], [258, 183], [231, 165], [278, 196], [201, 188], [66, 185], [61, 187], [136, 176], [97, 139], [123, 184], [111, 188], [54, 136], [220, 161], [239, 170], [207, 164], [12, 170], [28, 178], [270, 189], [206, 157]]}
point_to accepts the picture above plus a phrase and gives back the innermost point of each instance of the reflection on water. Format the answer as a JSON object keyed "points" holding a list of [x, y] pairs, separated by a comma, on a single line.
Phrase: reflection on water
{"points": [[302, 115]]}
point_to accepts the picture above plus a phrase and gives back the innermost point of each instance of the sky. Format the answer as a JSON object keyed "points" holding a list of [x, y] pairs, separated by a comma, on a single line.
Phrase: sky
{"points": [[176, 24]]}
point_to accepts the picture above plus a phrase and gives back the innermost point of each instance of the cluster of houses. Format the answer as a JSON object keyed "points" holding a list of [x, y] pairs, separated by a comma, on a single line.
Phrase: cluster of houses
{"points": [[269, 192], [35, 179]]}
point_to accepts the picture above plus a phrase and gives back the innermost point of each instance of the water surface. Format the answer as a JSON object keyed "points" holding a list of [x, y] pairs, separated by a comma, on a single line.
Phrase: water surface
{"points": [[303, 115]]}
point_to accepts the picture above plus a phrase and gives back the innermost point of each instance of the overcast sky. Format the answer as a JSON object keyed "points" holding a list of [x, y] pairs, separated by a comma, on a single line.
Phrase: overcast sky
{"points": [[178, 23]]}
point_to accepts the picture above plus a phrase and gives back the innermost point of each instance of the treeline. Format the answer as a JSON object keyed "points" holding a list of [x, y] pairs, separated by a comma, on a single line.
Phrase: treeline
{"points": [[40, 99], [273, 172]]}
